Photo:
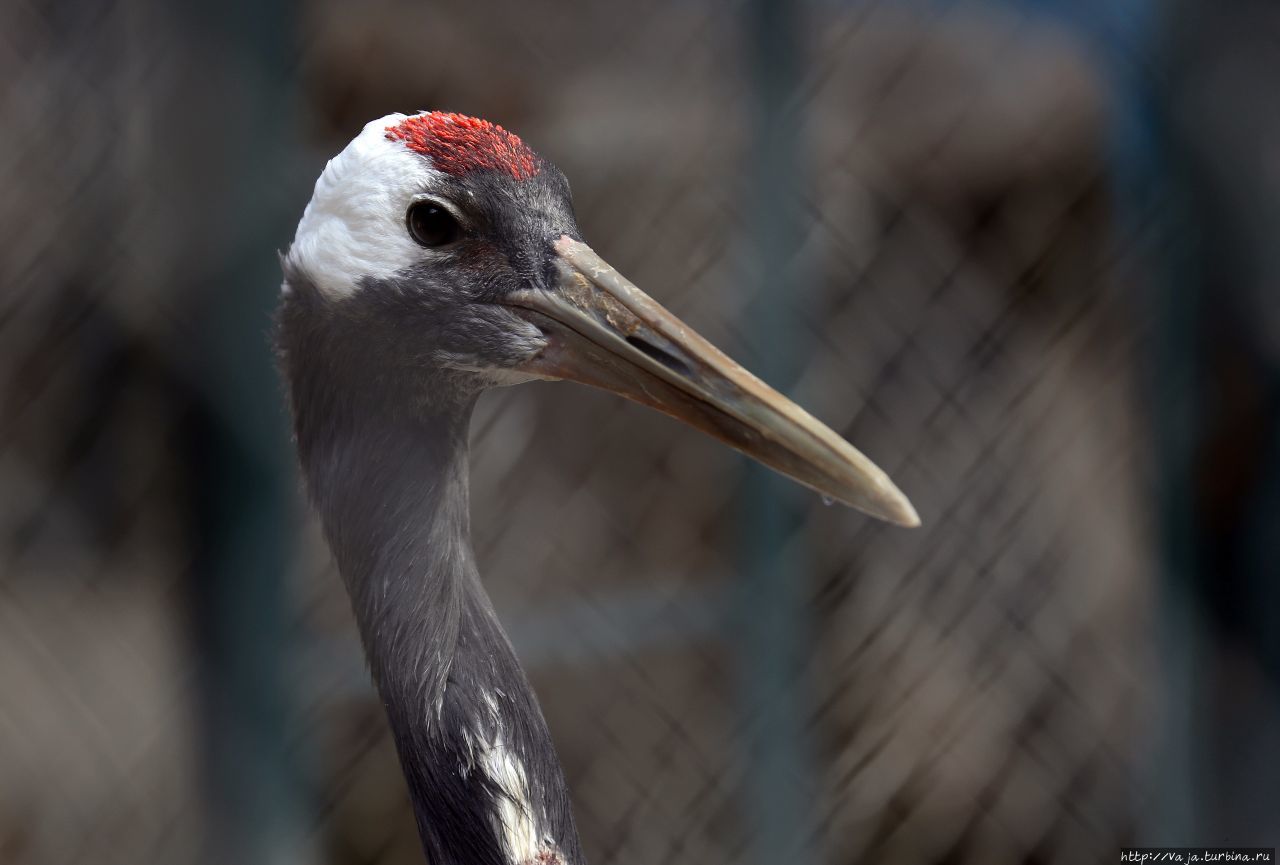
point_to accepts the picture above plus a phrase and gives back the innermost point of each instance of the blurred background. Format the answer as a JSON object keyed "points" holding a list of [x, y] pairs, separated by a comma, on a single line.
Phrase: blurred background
{"points": [[1022, 253]]}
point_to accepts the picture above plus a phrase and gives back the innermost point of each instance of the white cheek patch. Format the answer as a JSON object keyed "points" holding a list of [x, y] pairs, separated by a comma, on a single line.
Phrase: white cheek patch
{"points": [[354, 225]]}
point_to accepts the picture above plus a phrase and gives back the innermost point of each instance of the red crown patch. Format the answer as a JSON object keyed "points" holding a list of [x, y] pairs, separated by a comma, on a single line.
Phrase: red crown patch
{"points": [[458, 144]]}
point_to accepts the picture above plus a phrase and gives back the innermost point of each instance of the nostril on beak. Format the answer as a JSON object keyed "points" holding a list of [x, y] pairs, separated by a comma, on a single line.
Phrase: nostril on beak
{"points": [[663, 357]]}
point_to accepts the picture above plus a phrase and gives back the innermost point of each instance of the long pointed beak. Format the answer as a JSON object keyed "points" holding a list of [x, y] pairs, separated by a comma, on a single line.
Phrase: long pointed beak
{"points": [[605, 332]]}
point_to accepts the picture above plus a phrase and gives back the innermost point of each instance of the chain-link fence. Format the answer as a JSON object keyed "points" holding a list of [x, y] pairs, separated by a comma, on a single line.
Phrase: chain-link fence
{"points": [[971, 301]]}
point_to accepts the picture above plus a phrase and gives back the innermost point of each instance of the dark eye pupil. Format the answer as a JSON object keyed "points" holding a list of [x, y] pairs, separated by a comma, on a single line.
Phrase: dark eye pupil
{"points": [[432, 225]]}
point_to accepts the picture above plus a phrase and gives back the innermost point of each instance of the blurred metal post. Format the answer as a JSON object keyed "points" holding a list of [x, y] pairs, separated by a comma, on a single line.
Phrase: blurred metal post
{"points": [[1172, 770], [243, 197], [1218, 417], [770, 620]]}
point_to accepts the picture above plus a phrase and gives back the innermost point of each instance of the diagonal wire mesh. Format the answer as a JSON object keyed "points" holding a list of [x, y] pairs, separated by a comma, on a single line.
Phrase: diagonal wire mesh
{"points": [[977, 687]]}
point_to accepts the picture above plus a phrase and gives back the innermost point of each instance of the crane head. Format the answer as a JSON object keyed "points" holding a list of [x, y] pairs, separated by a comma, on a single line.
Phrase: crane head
{"points": [[451, 238]]}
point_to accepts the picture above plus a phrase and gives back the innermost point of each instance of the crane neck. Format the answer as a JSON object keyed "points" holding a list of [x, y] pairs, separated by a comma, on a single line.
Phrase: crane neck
{"points": [[389, 477]]}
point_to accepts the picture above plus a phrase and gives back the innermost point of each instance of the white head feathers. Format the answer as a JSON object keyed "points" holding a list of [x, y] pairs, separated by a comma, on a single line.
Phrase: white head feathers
{"points": [[354, 225]]}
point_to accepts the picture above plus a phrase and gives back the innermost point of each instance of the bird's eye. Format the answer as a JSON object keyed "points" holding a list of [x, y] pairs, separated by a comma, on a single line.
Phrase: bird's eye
{"points": [[431, 225]]}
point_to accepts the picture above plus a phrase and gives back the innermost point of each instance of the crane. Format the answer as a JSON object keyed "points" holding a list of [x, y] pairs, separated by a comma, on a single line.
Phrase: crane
{"points": [[439, 257]]}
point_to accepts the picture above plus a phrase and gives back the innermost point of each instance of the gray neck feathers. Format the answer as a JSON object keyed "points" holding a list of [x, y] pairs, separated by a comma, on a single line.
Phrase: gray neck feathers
{"points": [[386, 466], [393, 496]]}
